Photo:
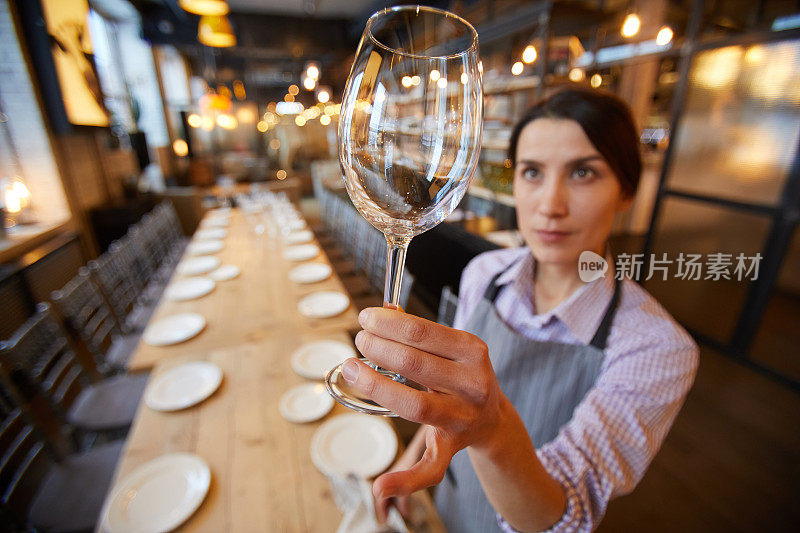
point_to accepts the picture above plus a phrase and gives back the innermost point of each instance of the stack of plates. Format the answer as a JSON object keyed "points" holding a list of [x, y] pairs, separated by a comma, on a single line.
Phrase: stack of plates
{"points": [[299, 237]]}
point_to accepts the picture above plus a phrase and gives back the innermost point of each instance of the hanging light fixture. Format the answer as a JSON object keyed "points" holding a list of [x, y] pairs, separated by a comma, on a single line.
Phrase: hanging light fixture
{"points": [[631, 25], [216, 31], [205, 7]]}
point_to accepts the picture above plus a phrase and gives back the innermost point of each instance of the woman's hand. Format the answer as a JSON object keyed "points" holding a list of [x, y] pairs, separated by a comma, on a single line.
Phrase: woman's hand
{"points": [[408, 458], [463, 404]]}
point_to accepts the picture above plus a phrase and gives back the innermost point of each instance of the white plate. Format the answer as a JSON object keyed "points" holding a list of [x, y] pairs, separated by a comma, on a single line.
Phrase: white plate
{"points": [[299, 237], [216, 222], [225, 272], [183, 386], [189, 288], [305, 403], [174, 329], [296, 225], [210, 234], [315, 359], [221, 211], [158, 496], [353, 443], [323, 304], [301, 252], [197, 265], [204, 247], [310, 273]]}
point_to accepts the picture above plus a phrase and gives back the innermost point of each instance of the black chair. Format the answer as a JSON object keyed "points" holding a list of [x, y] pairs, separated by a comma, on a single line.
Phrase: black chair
{"points": [[89, 318], [44, 484], [448, 304], [70, 380], [114, 277]]}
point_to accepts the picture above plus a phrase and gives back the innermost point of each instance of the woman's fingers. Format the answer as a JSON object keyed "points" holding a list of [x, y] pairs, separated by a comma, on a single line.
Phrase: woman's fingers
{"points": [[420, 333], [430, 370], [404, 401], [428, 471]]}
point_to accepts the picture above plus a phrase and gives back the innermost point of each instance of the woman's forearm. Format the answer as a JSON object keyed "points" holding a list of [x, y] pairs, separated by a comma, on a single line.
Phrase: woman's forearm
{"points": [[513, 478]]}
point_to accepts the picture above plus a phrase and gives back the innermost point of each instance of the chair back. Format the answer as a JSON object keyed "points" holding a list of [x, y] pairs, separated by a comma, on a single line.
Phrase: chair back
{"points": [[87, 315], [112, 273], [447, 307], [41, 350]]}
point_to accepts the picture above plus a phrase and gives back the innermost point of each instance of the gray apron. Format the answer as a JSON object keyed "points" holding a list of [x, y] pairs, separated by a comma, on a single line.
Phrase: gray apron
{"points": [[545, 382]]}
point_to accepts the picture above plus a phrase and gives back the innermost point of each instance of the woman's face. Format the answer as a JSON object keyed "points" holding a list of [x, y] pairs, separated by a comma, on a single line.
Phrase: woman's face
{"points": [[566, 193]]}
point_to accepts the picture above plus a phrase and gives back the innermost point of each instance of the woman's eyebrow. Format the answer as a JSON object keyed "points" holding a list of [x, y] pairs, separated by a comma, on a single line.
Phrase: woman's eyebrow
{"points": [[580, 160]]}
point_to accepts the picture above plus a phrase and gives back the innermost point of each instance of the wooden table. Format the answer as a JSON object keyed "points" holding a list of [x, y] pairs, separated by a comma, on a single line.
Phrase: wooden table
{"points": [[260, 303], [262, 477]]}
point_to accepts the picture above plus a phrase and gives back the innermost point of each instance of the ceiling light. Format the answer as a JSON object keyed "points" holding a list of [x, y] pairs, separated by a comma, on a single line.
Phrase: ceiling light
{"points": [[216, 31], [262, 126], [517, 68], [312, 71], [180, 148], [293, 90], [576, 75], [435, 75], [529, 54], [205, 7], [309, 84], [631, 25], [323, 96], [194, 120], [664, 36], [596, 80], [300, 120], [324, 120]]}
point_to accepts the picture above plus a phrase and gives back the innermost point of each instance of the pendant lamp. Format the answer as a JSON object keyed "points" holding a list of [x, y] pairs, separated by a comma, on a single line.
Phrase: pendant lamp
{"points": [[205, 7], [216, 31]]}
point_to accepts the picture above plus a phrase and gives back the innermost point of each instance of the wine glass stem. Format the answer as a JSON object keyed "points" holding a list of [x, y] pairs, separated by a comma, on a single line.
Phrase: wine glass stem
{"points": [[395, 261]]}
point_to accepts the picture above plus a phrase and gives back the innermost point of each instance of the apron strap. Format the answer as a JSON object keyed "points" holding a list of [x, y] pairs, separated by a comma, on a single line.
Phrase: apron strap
{"points": [[600, 338], [601, 335]]}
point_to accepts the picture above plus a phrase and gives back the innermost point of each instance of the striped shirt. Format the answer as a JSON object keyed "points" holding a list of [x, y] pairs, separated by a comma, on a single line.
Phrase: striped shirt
{"points": [[649, 365]]}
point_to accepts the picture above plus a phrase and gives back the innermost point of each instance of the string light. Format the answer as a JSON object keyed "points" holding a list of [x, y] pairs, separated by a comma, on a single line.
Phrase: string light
{"points": [[435, 75], [596, 80], [406, 81], [262, 126], [194, 120], [300, 120], [576, 75], [442, 83], [529, 54], [664, 36], [309, 84], [323, 96], [631, 25], [180, 148], [325, 120], [517, 68]]}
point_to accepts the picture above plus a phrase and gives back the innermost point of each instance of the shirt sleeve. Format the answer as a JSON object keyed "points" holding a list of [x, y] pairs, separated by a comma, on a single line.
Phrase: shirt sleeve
{"points": [[618, 428]]}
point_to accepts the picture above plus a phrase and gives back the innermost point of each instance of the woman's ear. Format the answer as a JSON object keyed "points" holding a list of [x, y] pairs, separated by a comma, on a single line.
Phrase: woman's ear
{"points": [[625, 202]]}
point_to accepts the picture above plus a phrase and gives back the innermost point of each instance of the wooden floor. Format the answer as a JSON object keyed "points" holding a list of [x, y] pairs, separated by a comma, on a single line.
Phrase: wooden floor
{"points": [[730, 463]]}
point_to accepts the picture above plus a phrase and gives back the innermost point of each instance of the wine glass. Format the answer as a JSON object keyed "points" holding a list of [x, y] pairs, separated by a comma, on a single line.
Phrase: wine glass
{"points": [[409, 137]]}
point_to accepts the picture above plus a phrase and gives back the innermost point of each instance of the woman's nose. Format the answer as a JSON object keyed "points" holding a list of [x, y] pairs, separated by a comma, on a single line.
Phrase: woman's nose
{"points": [[553, 199]]}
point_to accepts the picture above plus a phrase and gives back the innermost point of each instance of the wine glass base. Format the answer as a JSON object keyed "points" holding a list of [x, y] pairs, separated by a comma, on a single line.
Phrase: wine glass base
{"points": [[342, 392]]}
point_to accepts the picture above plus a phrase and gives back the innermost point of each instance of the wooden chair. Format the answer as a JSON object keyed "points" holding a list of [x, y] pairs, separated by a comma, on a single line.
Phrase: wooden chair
{"points": [[115, 278], [447, 307], [68, 377], [93, 324], [44, 485]]}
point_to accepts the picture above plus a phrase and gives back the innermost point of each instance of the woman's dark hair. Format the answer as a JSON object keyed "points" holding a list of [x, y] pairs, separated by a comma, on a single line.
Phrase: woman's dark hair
{"points": [[607, 122]]}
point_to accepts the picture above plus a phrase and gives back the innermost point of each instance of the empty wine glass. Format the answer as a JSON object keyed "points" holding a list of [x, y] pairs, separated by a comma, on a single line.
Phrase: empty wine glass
{"points": [[409, 136]]}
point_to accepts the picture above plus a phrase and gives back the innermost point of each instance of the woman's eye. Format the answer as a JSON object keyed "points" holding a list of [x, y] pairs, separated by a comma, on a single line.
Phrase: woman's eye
{"points": [[583, 173], [530, 173]]}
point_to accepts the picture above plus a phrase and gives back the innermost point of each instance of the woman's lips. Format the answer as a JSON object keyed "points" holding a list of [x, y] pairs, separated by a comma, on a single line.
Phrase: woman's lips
{"points": [[552, 236]]}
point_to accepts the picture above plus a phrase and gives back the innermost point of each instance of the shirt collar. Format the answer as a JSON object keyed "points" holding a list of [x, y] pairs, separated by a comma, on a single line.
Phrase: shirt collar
{"points": [[581, 312]]}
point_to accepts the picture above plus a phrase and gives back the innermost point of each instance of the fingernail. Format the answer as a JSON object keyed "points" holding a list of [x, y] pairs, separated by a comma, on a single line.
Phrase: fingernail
{"points": [[350, 370], [363, 316]]}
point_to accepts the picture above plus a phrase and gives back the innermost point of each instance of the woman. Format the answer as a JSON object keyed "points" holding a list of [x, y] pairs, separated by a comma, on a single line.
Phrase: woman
{"points": [[557, 394]]}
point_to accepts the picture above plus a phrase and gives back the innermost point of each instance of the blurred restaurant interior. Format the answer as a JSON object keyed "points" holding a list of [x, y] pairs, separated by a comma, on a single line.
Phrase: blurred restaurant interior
{"points": [[138, 134]]}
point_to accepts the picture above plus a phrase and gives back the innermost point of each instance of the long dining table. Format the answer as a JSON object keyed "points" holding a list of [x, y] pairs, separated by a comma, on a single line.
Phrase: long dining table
{"points": [[262, 475]]}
